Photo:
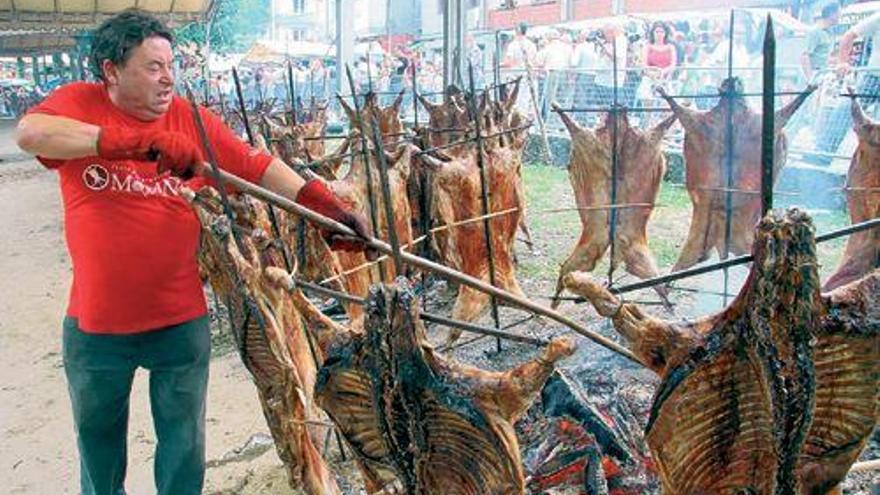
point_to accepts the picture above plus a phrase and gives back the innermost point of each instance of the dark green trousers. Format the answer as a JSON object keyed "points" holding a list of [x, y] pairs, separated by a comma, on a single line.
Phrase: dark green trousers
{"points": [[100, 370]]}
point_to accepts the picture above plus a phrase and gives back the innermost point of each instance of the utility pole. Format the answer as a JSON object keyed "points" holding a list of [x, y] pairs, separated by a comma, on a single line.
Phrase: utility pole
{"points": [[344, 40]]}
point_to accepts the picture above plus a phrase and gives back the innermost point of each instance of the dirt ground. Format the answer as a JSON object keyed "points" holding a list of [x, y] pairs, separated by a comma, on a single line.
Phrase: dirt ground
{"points": [[38, 454]]}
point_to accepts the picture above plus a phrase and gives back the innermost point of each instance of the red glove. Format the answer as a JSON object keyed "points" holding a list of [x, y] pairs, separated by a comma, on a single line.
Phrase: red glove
{"points": [[174, 151], [316, 196]]}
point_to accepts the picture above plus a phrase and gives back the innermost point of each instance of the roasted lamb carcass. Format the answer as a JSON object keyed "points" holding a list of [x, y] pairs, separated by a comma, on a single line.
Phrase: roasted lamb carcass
{"points": [[448, 121], [418, 421], [705, 154], [776, 394], [354, 191], [270, 333], [457, 198], [640, 169], [862, 253]]}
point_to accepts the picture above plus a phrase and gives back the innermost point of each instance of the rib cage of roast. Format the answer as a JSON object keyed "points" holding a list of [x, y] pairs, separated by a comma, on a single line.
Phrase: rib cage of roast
{"points": [[862, 252], [705, 154], [640, 169], [776, 394], [418, 421], [269, 328]]}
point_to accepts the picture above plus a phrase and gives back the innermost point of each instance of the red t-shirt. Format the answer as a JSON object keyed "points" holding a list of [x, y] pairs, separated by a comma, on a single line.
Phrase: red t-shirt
{"points": [[132, 240]]}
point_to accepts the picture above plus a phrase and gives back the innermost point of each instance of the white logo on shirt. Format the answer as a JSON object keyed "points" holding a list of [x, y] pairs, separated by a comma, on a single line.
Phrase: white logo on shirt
{"points": [[127, 180], [96, 177]]}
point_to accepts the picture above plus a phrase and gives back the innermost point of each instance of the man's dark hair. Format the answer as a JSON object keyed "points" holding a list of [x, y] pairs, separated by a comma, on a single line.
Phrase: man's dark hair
{"points": [[116, 37], [522, 28]]}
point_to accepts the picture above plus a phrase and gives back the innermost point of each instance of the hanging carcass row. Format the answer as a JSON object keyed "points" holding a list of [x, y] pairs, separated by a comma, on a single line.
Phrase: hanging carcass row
{"points": [[245, 270], [640, 168], [457, 201], [707, 156], [300, 143], [862, 253], [361, 190], [421, 423], [776, 394], [450, 122]]}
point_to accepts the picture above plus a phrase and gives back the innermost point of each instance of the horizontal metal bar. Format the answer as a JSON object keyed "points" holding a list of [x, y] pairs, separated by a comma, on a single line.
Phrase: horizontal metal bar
{"points": [[851, 229], [462, 142], [326, 137], [429, 317], [726, 94], [730, 262], [858, 95], [618, 109], [491, 332], [466, 343]]}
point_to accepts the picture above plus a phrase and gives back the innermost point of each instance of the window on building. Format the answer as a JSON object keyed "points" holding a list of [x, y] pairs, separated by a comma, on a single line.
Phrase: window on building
{"points": [[299, 6]]}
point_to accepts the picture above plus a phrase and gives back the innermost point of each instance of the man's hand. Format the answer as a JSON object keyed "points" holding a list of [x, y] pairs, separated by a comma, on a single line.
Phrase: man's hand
{"points": [[174, 151], [316, 196]]}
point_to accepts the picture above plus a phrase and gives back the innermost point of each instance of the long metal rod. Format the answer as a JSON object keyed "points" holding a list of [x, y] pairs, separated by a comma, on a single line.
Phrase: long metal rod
{"points": [[768, 118], [371, 200], [735, 261], [618, 109], [780, 93], [241, 106], [424, 264], [271, 210], [386, 198], [426, 316], [615, 164], [291, 94], [728, 157], [484, 198], [470, 140]]}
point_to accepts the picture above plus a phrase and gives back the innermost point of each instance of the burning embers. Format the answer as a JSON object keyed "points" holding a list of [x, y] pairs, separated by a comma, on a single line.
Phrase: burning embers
{"points": [[776, 394]]}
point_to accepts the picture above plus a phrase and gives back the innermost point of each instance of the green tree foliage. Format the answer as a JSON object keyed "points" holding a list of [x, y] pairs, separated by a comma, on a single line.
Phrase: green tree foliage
{"points": [[234, 25]]}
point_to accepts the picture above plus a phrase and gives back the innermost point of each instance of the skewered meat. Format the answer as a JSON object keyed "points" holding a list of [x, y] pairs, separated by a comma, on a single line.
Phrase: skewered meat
{"points": [[450, 122], [640, 169], [387, 118], [353, 191], [447, 121], [457, 198], [421, 422], [776, 394], [270, 334], [705, 153], [862, 253]]}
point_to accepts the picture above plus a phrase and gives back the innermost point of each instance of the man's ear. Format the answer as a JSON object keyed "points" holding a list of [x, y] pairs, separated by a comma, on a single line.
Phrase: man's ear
{"points": [[111, 71]]}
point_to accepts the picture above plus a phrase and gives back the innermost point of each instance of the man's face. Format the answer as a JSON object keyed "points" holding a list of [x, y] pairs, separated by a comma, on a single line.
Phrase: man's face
{"points": [[144, 85]]}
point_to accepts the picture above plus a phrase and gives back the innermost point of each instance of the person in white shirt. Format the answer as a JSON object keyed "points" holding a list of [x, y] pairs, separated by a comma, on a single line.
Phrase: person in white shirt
{"points": [[615, 47], [554, 59], [521, 50], [869, 78]]}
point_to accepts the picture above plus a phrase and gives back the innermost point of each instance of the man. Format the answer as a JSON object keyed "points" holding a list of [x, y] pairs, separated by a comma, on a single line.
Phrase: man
{"points": [[555, 60], [819, 42], [521, 50], [613, 49], [119, 147], [869, 78]]}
